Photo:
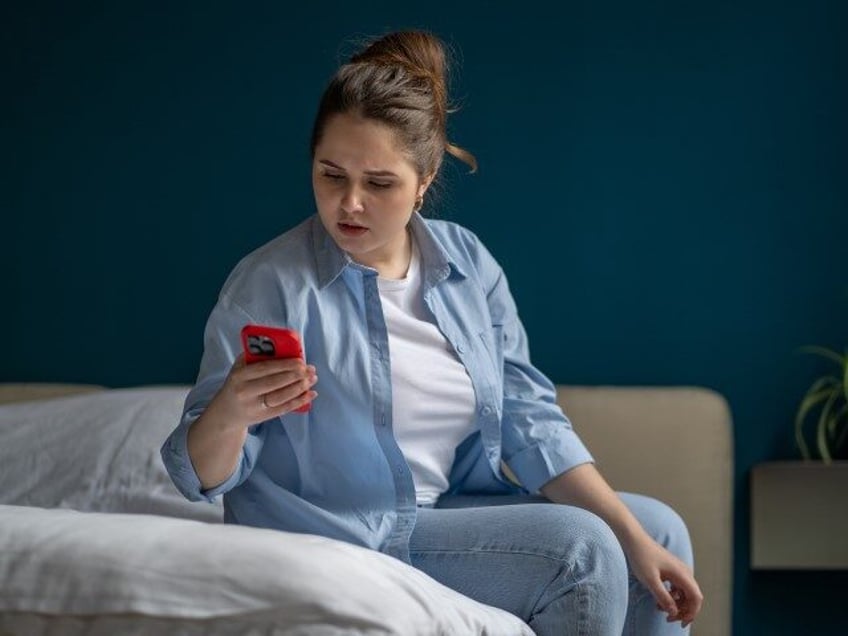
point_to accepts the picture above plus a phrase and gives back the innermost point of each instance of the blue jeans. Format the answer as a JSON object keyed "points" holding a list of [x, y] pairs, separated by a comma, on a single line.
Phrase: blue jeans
{"points": [[559, 568]]}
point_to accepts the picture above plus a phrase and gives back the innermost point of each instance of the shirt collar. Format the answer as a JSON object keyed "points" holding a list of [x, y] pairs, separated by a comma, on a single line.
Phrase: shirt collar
{"points": [[331, 260], [437, 263]]}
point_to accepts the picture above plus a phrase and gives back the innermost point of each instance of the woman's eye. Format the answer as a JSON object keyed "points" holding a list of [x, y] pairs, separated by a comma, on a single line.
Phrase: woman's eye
{"points": [[337, 178]]}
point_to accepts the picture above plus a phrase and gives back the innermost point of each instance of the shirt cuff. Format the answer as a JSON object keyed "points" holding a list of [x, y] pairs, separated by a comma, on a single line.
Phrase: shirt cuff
{"points": [[223, 487], [178, 463], [536, 465]]}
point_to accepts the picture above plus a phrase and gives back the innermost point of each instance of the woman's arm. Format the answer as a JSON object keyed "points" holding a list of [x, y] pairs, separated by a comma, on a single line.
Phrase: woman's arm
{"points": [[653, 565], [542, 449]]}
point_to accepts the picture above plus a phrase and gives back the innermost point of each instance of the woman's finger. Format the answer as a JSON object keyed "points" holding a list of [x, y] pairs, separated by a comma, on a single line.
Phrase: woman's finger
{"points": [[686, 588], [664, 600], [290, 391], [291, 405], [260, 369], [277, 381]]}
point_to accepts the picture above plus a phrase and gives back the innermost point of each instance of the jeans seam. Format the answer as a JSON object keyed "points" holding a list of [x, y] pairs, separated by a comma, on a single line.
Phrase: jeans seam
{"points": [[551, 556], [582, 609]]}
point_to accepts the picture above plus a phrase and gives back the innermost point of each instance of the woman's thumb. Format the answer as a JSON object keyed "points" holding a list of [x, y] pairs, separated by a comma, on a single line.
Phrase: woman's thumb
{"points": [[664, 600]]}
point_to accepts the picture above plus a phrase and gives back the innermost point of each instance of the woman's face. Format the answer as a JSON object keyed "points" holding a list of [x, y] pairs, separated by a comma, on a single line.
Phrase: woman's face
{"points": [[365, 190]]}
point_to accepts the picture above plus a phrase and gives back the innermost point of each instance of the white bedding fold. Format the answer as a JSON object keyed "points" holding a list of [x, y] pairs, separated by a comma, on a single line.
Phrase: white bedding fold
{"points": [[66, 562]]}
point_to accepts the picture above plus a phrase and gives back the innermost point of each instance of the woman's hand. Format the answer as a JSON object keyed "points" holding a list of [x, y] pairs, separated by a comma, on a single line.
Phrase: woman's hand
{"points": [[260, 391], [252, 393], [655, 566]]}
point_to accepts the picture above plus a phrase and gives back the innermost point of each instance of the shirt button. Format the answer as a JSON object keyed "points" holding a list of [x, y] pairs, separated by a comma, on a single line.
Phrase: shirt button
{"points": [[486, 410], [460, 348]]}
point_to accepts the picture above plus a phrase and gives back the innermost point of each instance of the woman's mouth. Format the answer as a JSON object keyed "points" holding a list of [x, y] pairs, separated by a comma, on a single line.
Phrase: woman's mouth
{"points": [[352, 230]]}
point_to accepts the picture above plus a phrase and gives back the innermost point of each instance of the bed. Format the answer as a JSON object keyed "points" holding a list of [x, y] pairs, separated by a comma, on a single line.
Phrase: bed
{"points": [[94, 538]]}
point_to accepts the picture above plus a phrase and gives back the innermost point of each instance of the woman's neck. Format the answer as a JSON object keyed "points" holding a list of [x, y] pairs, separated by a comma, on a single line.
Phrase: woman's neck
{"points": [[392, 264]]}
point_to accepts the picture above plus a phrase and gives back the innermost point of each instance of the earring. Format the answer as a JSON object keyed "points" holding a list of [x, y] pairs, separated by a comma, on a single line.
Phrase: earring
{"points": [[419, 203]]}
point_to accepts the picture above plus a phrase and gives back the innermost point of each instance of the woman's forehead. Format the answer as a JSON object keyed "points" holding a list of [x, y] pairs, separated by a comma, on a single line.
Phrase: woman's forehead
{"points": [[355, 143]]}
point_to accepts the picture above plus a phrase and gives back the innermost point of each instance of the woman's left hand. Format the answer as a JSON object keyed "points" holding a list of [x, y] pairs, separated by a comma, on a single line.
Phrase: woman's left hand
{"points": [[652, 564], [655, 566]]}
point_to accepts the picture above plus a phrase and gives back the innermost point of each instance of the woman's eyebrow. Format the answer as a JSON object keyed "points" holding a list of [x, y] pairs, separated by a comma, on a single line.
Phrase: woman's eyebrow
{"points": [[371, 173], [380, 173], [330, 164]]}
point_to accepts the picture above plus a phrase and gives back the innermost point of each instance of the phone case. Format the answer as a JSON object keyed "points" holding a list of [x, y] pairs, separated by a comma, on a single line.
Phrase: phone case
{"points": [[265, 343]]}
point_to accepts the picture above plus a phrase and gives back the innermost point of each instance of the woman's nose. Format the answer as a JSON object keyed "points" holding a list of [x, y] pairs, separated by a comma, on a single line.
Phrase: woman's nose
{"points": [[352, 199]]}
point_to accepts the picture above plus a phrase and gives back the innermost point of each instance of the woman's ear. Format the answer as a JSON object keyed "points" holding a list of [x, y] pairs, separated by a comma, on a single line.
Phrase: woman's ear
{"points": [[425, 183]]}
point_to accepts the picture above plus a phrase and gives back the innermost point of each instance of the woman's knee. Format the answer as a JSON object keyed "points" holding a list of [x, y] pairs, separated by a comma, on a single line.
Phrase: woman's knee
{"points": [[662, 523], [591, 591], [588, 544]]}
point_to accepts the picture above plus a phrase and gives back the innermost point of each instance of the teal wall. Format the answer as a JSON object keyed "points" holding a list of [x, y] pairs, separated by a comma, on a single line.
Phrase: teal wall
{"points": [[664, 183]]}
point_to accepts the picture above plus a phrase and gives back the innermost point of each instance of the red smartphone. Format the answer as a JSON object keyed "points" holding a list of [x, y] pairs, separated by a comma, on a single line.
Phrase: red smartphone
{"points": [[266, 343]]}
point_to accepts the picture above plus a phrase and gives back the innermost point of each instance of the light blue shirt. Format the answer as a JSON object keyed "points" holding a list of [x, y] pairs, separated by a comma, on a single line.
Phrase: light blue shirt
{"points": [[337, 471]]}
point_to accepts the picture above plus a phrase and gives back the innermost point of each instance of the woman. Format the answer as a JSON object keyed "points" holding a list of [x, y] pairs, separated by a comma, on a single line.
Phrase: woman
{"points": [[427, 392]]}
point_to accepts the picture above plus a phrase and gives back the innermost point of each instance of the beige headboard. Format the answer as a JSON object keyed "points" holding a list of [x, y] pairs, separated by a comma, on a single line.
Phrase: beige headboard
{"points": [[675, 444], [24, 392]]}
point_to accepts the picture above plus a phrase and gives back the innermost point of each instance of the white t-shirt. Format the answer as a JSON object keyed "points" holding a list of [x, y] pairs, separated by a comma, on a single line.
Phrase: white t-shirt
{"points": [[432, 397]]}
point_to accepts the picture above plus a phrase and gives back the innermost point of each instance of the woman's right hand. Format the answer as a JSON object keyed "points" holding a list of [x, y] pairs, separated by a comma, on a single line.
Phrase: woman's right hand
{"points": [[260, 391], [252, 393]]}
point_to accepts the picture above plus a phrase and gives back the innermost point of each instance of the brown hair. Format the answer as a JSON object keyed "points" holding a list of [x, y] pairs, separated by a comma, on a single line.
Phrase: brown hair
{"points": [[399, 80]]}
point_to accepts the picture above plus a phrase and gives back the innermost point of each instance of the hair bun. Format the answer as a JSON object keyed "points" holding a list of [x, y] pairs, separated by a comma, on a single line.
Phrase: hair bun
{"points": [[419, 53]]}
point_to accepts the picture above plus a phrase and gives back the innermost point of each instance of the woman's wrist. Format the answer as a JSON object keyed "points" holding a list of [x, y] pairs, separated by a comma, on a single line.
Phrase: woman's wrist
{"points": [[630, 534], [584, 486]]}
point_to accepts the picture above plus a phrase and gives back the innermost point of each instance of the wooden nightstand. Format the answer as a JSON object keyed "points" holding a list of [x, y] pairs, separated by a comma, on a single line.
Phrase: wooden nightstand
{"points": [[799, 515]]}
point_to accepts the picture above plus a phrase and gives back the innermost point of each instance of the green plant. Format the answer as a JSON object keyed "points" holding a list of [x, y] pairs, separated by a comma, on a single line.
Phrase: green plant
{"points": [[827, 395]]}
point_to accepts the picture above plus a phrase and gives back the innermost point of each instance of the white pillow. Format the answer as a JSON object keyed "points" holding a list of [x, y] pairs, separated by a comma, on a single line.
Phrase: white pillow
{"points": [[97, 451], [99, 573]]}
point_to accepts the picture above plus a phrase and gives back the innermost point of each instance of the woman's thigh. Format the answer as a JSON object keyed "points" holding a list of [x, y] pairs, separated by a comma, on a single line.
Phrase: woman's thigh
{"points": [[554, 566], [659, 520]]}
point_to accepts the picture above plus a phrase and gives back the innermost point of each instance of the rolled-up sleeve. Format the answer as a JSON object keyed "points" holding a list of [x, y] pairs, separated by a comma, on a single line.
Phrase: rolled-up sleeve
{"points": [[221, 346], [178, 462], [538, 440]]}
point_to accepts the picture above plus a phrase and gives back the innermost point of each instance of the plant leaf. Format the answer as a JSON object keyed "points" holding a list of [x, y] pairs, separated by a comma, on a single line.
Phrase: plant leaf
{"points": [[810, 400], [821, 428], [845, 377], [830, 381], [843, 433], [824, 352]]}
